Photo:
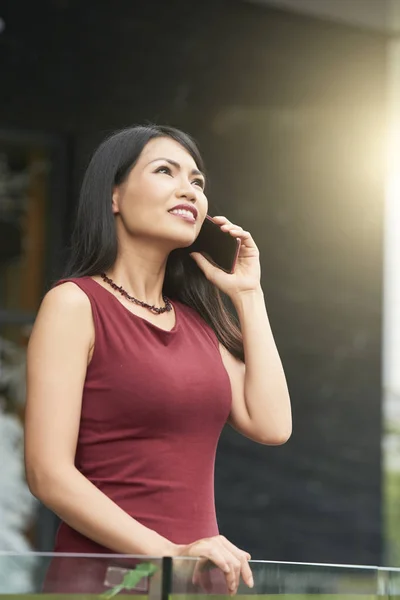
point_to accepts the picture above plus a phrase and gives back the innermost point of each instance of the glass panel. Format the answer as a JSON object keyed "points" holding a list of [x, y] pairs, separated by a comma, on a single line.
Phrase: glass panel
{"points": [[83, 576], [102, 576], [293, 581], [391, 582], [18, 508]]}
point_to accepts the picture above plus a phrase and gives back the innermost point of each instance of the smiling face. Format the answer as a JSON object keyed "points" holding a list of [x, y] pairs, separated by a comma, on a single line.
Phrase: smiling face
{"points": [[162, 200]]}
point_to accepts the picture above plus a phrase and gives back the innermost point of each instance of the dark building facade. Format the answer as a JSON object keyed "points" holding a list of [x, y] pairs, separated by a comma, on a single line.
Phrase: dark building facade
{"points": [[289, 114]]}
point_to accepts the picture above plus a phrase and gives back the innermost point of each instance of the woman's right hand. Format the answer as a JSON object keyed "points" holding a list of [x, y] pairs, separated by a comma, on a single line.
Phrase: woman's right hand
{"points": [[232, 561]]}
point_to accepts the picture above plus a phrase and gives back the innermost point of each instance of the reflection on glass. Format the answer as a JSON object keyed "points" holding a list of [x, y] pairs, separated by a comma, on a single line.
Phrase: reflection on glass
{"points": [[285, 580], [104, 576]]}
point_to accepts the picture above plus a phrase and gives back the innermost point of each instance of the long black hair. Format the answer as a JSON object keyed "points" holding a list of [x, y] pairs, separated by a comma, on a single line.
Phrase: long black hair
{"points": [[94, 243]]}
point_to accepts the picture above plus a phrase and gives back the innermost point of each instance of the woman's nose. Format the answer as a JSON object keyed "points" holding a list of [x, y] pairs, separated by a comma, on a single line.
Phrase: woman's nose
{"points": [[187, 191]]}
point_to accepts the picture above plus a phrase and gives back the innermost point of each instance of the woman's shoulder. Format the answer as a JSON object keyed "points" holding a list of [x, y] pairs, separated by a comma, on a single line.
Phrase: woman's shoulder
{"points": [[67, 294], [64, 311]]}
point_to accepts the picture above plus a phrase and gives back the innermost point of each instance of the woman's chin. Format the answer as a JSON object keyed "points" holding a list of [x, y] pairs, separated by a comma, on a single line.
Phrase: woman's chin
{"points": [[183, 241], [183, 244], [177, 237]]}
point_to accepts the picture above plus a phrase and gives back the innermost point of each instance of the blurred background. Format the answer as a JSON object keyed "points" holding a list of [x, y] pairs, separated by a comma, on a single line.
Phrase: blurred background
{"points": [[296, 107]]}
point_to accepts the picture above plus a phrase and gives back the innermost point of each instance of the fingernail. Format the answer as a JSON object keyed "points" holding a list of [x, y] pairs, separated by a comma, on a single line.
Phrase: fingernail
{"points": [[251, 582]]}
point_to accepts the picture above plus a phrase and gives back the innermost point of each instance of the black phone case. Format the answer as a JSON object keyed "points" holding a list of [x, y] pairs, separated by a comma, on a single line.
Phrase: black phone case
{"points": [[219, 247]]}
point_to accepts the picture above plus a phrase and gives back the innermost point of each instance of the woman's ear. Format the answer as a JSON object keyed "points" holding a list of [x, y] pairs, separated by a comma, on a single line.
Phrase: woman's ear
{"points": [[115, 201]]}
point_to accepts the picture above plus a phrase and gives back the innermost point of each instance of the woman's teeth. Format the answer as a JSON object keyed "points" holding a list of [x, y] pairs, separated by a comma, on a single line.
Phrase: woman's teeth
{"points": [[183, 212]]}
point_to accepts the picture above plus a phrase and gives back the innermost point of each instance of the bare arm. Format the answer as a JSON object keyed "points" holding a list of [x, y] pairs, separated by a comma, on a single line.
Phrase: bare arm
{"points": [[57, 361], [260, 398]]}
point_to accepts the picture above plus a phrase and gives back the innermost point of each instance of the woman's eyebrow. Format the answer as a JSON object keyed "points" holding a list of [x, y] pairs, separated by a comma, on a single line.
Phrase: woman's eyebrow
{"points": [[177, 165]]}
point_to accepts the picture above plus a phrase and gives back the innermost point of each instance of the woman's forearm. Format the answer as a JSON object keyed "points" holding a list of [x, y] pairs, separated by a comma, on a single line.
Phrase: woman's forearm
{"points": [[86, 509], [265, 389]]}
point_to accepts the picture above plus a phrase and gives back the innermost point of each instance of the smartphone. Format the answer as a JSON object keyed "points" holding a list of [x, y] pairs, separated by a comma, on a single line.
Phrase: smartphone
{"points": [[219, 247]]}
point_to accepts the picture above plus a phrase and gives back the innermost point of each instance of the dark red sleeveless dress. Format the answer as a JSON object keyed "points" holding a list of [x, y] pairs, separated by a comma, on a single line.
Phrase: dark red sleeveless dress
{"points": [[154, 404]]}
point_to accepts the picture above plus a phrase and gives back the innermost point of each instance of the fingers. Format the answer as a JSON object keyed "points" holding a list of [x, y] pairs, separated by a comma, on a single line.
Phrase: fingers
{"points": [[230, 559], [204, 264], [208, 550], [231, 566], [244, 558], [227, 225], [237, 561], [234, 230]]}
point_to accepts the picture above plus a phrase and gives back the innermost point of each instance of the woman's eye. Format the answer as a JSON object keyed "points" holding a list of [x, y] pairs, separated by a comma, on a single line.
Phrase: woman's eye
{"points": [[166, 170], [199, 182]]}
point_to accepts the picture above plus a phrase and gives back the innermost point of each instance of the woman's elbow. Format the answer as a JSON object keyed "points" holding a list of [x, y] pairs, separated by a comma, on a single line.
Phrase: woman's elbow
{"points": [[43, 481], [281, 438], [276, 438], [37, 480]]}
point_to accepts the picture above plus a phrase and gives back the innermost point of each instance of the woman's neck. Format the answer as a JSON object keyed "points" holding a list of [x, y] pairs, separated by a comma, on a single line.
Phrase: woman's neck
{"points": [[141, 273]]}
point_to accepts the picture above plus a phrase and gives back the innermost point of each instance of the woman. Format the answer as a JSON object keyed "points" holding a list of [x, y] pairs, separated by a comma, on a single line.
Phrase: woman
{"points": [[134, 365]]}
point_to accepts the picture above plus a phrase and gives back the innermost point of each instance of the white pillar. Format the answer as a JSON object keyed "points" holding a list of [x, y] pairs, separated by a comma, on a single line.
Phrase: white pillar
{"points": [[391, 301], [391, 344]]}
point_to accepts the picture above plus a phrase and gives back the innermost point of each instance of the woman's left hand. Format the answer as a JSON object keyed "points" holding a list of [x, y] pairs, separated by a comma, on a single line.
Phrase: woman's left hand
{"points": [[246, 276]]}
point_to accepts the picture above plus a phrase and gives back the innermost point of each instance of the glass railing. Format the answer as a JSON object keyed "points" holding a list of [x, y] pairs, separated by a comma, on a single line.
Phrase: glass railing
{"points": [[79, 576], [297, 581], [86, 577]]}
